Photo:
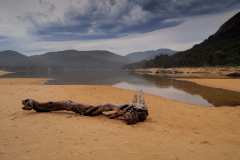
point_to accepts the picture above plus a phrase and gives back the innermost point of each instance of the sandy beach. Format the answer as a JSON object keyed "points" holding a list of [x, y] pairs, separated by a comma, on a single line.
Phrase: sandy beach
{"points": [[173, 131]]}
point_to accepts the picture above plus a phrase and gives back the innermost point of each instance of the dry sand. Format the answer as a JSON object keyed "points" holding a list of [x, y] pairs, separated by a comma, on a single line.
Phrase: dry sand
{"points": [[173, 131], [229, 84], [22, 81]]}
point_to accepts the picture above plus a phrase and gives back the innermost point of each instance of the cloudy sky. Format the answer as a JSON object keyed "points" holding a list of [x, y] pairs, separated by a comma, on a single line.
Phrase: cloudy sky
{"points": [[121, 26]]}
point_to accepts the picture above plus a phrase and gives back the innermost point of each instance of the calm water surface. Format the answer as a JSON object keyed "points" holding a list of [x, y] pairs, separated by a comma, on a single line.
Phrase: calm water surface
{"points": [[187, 92]]}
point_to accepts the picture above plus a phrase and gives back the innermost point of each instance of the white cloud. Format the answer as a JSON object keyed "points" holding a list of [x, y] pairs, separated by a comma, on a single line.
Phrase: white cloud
{"points": [[136, 15]]}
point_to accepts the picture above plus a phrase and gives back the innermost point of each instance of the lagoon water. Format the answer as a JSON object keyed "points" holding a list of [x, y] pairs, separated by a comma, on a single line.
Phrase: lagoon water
{"points": [[182, 91]]}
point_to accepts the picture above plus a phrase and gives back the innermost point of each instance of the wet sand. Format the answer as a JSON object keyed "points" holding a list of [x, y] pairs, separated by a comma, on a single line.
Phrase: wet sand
{"points": [[229, 84], [173, 131]]}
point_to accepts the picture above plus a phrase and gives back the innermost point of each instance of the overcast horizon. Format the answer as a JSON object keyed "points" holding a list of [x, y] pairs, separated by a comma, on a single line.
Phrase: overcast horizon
{"points": [[120, 26]]}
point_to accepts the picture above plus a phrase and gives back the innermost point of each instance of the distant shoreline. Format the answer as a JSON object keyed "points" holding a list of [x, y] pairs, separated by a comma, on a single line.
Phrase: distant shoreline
{"points": [[192, 72], [215, 77]]}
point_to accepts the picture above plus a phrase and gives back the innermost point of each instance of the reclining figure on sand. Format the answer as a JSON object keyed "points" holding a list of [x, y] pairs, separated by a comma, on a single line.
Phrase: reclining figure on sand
{"points": [[132, 113]]}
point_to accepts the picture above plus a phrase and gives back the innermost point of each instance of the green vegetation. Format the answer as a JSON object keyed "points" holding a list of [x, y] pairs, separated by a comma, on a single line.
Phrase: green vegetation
{"points": [[220, 49]]}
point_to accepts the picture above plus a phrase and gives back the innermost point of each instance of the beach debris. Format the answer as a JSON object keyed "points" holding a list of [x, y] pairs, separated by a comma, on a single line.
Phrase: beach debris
{"points": [[132, 113]]}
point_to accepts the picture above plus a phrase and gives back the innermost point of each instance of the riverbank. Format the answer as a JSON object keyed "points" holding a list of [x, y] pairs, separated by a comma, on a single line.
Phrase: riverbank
{"points": [[228, 84], [173, 130], [22, 81], [192, 72]]}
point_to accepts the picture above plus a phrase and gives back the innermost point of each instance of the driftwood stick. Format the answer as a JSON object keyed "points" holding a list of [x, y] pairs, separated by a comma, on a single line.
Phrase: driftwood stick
{"points": [[130, 113]]}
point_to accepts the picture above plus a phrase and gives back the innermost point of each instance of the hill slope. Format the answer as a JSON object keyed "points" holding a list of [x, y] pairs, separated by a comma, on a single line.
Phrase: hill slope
{"points": [[220, 49], [13, 59], [71, 59], [80, 59], [148, 55]]}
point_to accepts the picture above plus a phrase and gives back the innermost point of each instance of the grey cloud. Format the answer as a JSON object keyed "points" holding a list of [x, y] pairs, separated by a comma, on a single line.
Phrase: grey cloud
{"points": [[96, 19]]}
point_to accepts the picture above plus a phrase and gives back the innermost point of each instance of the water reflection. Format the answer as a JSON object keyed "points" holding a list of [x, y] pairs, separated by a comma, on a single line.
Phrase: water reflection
{"points": [[169, 88], [190, 92]]}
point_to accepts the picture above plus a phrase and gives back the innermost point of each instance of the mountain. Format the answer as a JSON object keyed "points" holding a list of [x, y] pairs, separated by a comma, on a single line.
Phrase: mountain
{"points": [[80, 59], [13, 59], [69, 59], [220, 49], [148, 55]]}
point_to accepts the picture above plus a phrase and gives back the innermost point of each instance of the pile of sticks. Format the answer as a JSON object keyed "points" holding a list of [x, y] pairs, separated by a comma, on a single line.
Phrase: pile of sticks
{"points": [[132, 113]]}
